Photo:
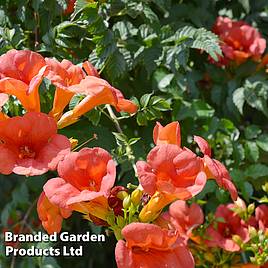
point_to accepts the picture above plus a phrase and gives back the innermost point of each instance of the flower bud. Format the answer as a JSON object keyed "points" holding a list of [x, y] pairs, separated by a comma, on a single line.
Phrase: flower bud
{"points": [[240, 203], [127, 202], [251, 208], [252, 232], [122, 194], [115, 199], [136, 197], [73, 142]]}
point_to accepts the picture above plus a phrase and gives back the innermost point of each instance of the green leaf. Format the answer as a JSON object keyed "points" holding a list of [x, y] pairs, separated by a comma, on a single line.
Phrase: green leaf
{"points": [[75, 100], [262, 142], [94, 116], [160, 104], [252, 131], [202, 109], [210, 187], [207, 41], [144, 101], [141, 119], [116, 65], [20, 195], [247, 190], [239, 152], [256, 95], [125, 29], [257, 170], [149, 57], [200, 39], [149, 14], [252, 151], [239, 99], [245, 4], [164, 82]]}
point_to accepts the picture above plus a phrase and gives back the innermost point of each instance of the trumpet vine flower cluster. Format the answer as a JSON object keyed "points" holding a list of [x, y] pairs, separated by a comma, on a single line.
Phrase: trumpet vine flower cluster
{"points": [[154, 225]]}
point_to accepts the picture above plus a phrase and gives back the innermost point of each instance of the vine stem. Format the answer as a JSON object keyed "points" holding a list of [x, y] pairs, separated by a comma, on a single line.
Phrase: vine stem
{"points": [[119, 129], [23, 224], [114, 118]]}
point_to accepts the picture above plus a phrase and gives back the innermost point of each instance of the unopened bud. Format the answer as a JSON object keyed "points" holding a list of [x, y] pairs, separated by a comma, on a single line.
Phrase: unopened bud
{"points": [[251, 208], [240, 204], [73, 142], [136, 197], [127, 202], [252, 232], [122, 195]]}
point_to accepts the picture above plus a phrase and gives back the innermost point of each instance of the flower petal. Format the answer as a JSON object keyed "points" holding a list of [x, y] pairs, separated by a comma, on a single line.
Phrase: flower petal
{"points": [[170, 134], [203, 145]]}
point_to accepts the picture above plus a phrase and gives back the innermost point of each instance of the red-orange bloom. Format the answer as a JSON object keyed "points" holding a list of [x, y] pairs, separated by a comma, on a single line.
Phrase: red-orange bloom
{"points": [[50, 215], [149, 246], [86, 178], [170, 134], [220, 234], [240, 41], [215, 169], [172, 170], [63, 75], [30, 145], [183, 218], [21, 73], [97, 92]]}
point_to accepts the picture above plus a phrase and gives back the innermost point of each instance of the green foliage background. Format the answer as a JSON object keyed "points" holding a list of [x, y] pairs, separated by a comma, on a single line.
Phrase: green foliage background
{"points": [[155, 52]]}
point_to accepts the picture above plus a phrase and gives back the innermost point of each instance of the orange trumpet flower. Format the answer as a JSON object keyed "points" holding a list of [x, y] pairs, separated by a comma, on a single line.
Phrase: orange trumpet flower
{"points": [[170, 134], [147, 245], [182, 218], [21, 73], [86, 178], [63, 75], [30, 145], [97, 92]]}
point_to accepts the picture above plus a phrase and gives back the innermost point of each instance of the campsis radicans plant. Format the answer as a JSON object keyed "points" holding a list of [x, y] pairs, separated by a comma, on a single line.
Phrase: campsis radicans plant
{"points": [[157, 222]]}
